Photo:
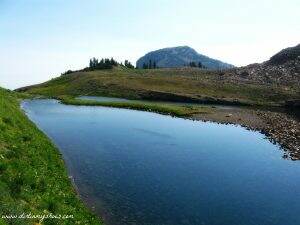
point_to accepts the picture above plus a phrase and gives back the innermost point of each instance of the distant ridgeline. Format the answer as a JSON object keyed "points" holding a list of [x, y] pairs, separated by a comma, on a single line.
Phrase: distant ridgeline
{"points": [[106, 63], [181, 56]]}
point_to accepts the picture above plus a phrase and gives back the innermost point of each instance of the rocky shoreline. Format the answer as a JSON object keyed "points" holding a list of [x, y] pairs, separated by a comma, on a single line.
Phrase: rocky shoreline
{"points": [[284, 130], [279, 127]]}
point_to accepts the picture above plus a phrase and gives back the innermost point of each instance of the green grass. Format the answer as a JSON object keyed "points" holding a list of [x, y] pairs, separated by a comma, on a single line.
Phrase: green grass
{"points": [[167, 109], [165, 84], [33, 178]]}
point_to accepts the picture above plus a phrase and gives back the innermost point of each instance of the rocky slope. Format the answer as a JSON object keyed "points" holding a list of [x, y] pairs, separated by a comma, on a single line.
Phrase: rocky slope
{"points": [[283, 68], [179, 57], [285, 55]]}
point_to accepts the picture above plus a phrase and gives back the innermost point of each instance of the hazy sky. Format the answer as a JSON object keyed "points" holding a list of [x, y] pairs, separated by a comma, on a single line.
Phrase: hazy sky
{"points": [[39, 39]]}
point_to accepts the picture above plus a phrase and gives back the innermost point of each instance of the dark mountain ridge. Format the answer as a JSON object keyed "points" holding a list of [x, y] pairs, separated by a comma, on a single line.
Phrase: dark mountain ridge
{"points": [[181, 56], [287, 54]]}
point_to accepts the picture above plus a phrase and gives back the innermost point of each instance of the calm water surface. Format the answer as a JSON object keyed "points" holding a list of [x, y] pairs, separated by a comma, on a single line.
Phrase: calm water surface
{"points": [[143, 168]]}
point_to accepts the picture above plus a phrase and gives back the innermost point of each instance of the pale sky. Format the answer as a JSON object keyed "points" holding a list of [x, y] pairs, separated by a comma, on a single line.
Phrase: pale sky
{"points": [[39, 39]]}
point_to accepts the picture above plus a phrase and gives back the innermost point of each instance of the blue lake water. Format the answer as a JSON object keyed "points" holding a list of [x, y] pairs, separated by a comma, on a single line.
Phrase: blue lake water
{"points": [[143, 168]]}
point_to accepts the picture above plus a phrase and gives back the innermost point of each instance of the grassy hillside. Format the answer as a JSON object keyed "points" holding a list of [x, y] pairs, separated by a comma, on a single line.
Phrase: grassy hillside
{"points": [[33, 177], [186, 84]]}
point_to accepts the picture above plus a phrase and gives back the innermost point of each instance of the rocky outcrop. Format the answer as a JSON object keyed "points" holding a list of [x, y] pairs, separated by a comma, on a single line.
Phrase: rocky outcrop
{"points": [[284, 130], [285, 55], [283, 69]]}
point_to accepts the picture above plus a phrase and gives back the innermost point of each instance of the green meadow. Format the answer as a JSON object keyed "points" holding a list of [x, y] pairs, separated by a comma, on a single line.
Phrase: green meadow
{"points": [[183, 84]]}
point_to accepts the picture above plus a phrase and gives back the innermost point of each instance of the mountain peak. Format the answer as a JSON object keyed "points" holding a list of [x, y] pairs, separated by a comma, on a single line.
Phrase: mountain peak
{"points": [[180, 56]]}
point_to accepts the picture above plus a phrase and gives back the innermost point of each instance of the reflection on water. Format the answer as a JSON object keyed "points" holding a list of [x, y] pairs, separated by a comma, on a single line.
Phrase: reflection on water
{"points": [[104, 99], [148, 169], [112, 99]]}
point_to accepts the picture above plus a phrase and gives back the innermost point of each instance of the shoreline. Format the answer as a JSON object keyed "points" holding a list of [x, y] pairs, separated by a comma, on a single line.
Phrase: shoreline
{"points": [[277, 125], [34, 174]]}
